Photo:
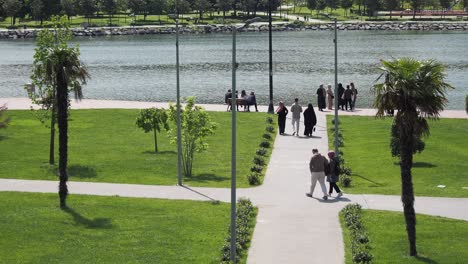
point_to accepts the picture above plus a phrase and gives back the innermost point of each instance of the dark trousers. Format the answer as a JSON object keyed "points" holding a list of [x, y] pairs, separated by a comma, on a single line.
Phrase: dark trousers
{"points": [[350, 103], [281, 124], [333, 185]]}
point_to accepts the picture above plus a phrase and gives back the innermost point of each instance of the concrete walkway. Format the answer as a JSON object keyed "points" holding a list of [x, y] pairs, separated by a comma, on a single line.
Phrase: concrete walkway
{"points": [[291, 228]]}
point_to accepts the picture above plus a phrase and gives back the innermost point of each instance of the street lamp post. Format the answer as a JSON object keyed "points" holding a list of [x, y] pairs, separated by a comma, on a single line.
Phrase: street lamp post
{"points": [[335, 40], [234, 138], [179, 136], [270, 53]]}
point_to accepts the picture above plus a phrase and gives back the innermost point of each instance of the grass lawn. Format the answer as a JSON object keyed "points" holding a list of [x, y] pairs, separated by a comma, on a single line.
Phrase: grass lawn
{"points": [[443, 162], [109, 230], [106, 146], [438, 239]]}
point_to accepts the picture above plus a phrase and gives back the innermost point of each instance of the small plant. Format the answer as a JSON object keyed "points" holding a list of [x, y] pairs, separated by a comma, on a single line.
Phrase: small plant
{"points": [[270, 129], [261, 152], [258, 160], [256, 168], [265, 144], [360, 248], [269, 120], [267, 136], [253, 178], [345, 181], [340, 142], [333, 122], [346, 171]]}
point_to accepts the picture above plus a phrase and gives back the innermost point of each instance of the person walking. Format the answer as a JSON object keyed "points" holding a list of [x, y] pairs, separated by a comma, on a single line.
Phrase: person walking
{"points": [[321, 94], [354, 96], [296, 110], [348, 95], [317, 169], [282, 112], [330, 97], [341, 100], [334, 174], [310, 120]]}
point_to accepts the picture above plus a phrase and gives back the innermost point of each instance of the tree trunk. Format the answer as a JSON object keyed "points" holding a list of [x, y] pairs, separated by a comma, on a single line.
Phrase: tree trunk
{"points": [[407, 194], [155, 141], [62, 118], [52, 137]]}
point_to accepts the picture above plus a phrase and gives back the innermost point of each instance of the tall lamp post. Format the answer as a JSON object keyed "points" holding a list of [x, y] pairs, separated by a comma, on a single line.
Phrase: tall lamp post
{"points": [[270, 53], [179, 136], [233, 135]]}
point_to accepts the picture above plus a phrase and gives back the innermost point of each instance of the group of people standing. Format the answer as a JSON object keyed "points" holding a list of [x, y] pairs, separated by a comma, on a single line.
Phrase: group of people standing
{"points": [[310, 119], [346, 97], [321, 168]]}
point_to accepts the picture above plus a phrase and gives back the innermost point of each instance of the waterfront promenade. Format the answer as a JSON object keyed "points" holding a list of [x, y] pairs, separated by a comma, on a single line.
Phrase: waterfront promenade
{"points": [[291, 228]]}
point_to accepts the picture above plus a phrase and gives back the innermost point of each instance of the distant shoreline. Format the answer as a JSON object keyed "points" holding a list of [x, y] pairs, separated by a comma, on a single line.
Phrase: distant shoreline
{"points": [[257, 27]]}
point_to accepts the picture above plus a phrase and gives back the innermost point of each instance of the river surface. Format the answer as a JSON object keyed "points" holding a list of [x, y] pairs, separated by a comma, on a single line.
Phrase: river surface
{"points": [[143, 67]]}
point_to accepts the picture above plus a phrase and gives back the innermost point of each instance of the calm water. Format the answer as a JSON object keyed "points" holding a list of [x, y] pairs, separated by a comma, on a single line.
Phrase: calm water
{"points": [[143, 67]]}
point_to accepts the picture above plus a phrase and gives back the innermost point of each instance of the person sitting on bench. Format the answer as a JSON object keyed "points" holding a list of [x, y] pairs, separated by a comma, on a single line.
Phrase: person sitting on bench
{"points": [[251, 100]]}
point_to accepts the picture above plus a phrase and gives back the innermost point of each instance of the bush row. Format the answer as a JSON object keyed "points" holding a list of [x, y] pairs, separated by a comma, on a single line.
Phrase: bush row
{"points": [[255, 175], [245, 223], [345, 175], [360, 248]]}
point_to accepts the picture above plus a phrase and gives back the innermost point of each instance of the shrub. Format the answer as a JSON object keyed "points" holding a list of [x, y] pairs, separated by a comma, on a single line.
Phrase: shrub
{"points": [[333, 121], [261, 152], [345, 181], [269, 120], [340, 142], [346, 170], [265, 144], [270, 129], [360, 248], [256, 168], [267, 136], [253, 178], [258, 160]]}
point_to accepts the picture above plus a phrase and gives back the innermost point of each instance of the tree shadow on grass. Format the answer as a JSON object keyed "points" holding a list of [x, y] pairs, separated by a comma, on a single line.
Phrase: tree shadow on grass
{"points": [[426, 260], [151, 152], [419, 164], [96, 223], [206, 177], [80, 171], [3, 137], [367, 179]]}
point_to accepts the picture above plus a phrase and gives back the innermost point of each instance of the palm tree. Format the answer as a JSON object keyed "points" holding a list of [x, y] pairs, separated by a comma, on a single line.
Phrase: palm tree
{"points": [[64, 66], [417, 90]]}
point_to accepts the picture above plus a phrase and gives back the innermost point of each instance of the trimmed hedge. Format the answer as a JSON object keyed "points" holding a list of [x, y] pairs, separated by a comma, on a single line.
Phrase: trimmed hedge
{"points": [[245, 223], [360, 248]]}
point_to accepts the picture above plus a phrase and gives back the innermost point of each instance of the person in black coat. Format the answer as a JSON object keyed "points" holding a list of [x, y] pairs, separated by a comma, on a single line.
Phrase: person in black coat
{"points": [[310, 120], [282, 112], [321, 95], [341, 100]]}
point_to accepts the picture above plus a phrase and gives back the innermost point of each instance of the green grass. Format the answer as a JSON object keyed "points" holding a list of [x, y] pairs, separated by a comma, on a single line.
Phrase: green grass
{"points": [[443, 162], [109, 230], [106, 146], [438, 239]]}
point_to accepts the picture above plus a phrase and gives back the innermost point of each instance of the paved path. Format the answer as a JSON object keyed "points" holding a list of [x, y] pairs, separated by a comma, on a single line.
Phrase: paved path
{"points": [[291, 228]]}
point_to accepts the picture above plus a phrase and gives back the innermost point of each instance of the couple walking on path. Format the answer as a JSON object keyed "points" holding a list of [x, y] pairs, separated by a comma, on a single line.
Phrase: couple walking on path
{"points": [[320, 168], [310, 119]]}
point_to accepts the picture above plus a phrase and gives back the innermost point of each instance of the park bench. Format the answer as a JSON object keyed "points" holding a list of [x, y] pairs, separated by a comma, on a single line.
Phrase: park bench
{"points": [[239, 102]]}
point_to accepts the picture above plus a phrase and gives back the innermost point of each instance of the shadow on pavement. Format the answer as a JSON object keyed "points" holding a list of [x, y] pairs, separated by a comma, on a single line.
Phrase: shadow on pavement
{"points": [[332, 199], [97, 223], [199, 193]]}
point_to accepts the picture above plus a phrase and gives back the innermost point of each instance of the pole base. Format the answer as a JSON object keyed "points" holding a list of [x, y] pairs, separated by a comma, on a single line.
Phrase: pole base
{"points": [[270, 109]]}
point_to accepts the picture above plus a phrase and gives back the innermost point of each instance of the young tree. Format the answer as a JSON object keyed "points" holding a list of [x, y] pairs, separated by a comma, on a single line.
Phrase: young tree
{"points": [[417, 90], [152, 119], [57, 64], [195, 125], [4, 120]]}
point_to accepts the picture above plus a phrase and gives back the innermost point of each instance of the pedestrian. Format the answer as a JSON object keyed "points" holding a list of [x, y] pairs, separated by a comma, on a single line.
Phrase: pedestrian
{"points": [[334, 174], [341, 100], [330, 97], [228, 96], [310, 120], [354, 96], [282, 112], [348, 96], [321, 94], [317, 169], [296, 110]]}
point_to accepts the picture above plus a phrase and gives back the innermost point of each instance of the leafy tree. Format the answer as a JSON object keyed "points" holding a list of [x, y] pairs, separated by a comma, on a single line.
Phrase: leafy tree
{"points": [[202, 6], [332, 4], [110, 6], [11, 7], [152, 119], [372, 6], [417, 90], [37, 9], [391, 5], [225, 5], [3, 120], [57, 64], [68, 7], [87, 8], [416, 5], [195, 125], [346, 5], [321, 4], [311, 4]]}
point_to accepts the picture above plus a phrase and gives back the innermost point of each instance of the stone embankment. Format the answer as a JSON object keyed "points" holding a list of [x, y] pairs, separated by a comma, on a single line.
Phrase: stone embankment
{"points": [[261, 27]]}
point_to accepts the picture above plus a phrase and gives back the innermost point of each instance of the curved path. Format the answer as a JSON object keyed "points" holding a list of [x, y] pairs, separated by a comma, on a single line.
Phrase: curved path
{"points": [[291, 228]]}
